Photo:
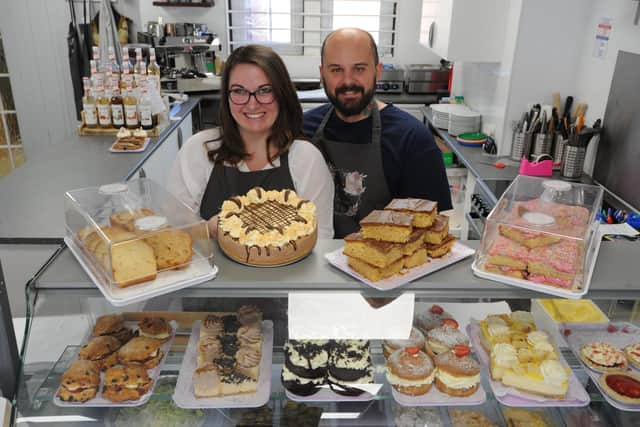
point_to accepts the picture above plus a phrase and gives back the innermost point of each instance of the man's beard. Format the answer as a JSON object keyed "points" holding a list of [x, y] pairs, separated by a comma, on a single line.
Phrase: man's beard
{"points": [[353, 108]]}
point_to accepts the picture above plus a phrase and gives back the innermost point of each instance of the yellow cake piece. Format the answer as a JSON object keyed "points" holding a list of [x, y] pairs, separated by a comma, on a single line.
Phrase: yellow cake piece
{"points": [[424, 211], [375, 252], [563, 310], [419, 257], [372, 272], [388, 226]]}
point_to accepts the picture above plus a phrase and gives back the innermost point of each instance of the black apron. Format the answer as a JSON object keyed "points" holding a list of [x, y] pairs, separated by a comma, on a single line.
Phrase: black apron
{"points": [[358, 175], [227, 181]]}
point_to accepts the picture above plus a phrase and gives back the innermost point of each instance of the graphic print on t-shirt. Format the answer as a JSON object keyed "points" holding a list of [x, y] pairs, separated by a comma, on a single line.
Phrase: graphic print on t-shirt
{"points": [[348, 192]]}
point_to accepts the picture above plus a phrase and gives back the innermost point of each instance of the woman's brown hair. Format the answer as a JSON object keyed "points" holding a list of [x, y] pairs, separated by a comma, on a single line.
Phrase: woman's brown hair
{"points": [[288, 124]]}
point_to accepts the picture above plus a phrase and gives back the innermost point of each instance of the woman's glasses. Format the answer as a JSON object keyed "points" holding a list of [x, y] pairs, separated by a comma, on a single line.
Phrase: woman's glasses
{"points": [[241, 96]]}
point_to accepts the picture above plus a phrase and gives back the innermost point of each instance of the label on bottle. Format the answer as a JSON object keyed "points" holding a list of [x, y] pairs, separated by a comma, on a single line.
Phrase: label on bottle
{"points": [[104, 114], [131, 115], [117, 114], [146, 118], [90, 115]]}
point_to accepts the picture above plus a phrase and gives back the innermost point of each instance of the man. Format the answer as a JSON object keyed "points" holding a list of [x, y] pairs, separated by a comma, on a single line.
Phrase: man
{"points": [[375, 151]]}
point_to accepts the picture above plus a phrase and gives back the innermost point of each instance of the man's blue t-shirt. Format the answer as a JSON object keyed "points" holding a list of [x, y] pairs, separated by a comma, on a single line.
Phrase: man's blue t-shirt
{"points": [[412, 162]]}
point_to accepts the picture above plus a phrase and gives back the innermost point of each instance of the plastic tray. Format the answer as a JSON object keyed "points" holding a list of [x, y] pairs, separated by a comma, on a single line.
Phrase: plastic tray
{"points": [[583, 333], [99, 401], [325, 394], [458, 253], [435, 397], [183, 395], [576, 395], [545, 289], [167, 281], [139, 150]]}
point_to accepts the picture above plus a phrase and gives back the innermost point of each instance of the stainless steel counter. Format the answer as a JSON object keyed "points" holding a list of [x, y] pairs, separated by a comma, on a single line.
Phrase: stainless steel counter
{"points": [[31, 206]]}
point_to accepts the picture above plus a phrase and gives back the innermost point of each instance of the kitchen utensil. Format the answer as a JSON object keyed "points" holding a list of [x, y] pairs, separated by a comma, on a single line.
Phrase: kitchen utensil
{"points": [[498, 165], [567, 107], [556, 100]]}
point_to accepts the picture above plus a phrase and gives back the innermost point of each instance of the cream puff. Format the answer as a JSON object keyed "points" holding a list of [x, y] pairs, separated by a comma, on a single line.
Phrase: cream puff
{"points": [[410, 371], [444, 338], [457, 373], [416, 339]]}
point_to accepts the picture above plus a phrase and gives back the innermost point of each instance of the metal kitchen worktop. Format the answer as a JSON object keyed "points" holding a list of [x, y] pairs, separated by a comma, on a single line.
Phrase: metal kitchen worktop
{"points": [[615, 276], [32, 207], [480, 163]]}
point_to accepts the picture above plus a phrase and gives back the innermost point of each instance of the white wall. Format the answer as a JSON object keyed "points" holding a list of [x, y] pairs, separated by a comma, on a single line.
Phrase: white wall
{"points": [[594, 80]]}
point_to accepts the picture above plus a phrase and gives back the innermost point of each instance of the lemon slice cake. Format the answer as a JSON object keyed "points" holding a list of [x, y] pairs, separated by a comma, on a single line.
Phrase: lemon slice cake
{"points": [[267, 228]]}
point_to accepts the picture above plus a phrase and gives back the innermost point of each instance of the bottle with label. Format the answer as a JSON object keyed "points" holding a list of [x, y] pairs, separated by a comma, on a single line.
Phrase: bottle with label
{"points": [[144, 110], [137, 69], [96, 57], [117, 109], [97, 77], [127, 77], [104, 109], [153, 71], [141, 77], [89, 105], [116, 71], [130, 109]]}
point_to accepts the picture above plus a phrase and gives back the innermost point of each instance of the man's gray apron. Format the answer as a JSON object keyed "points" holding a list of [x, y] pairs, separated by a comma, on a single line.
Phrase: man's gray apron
{"points": [[226, 182], [358, 175]]}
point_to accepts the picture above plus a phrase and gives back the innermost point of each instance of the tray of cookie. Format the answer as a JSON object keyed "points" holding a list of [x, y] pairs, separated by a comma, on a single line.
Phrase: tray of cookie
{"points": [[130, 141], [401, 243], [136, 241], [117, 365], [542, 236], [610, 353], [524, 367], [227, 362]]}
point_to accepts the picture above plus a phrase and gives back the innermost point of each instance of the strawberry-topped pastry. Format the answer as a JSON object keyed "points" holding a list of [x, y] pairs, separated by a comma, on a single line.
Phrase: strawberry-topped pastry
{"points": [[457, 373], [444, 338], [431, 318], [603, 357], [410, 371]]}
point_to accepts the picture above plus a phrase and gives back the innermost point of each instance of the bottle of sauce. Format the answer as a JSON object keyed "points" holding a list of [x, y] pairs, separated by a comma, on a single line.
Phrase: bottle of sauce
{"points": [[89, 105], [117, 109], [130, 109], [104, 109], [144, 109]]}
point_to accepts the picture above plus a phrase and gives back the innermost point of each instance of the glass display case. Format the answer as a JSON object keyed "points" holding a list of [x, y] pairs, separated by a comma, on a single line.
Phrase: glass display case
{"points": [[63, 305], [542, 235], [134, 239]]}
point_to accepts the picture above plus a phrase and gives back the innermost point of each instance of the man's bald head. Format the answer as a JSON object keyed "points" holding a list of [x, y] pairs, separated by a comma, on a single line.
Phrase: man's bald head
{"points": [[346, 35]]}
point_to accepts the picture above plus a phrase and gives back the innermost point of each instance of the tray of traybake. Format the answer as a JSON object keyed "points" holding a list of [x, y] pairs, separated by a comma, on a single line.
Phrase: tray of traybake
{"points": [[581, 287], [620, 335], [184, 395], [458, 252], [576, 395]]}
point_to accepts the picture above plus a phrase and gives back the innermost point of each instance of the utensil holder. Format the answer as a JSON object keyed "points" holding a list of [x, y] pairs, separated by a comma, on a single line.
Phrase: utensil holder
{"points": [[573, 161], [542, 144], [521, 145], [559, 147]]}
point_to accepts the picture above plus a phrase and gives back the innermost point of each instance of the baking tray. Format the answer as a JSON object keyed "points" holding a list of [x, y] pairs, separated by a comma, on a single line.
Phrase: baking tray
{"points": [[183, 395], [458, 253]]}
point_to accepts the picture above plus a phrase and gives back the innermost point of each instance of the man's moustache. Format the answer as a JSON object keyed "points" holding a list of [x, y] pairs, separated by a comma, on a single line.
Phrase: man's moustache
{"points": [[344, 89]]}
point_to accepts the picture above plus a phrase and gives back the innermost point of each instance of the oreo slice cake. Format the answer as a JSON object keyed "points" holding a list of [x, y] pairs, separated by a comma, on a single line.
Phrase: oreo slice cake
{"points": [[305, 366], [349, 367]]}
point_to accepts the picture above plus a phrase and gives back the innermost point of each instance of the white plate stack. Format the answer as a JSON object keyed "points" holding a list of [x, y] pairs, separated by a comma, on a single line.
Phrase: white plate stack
{"points": [[456, 118], [441, 115], [463, 120]]}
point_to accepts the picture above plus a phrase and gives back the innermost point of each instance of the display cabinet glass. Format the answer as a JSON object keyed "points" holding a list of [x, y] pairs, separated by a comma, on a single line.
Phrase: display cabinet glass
{"points": [[63, 305]]}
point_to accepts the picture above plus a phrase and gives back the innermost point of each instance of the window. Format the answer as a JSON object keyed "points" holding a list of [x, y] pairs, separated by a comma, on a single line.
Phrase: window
{"points": [[11, 153], [297, 27]]}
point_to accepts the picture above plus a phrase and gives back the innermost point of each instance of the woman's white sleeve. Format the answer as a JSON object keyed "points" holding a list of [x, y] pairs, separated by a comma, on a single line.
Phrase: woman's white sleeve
{"points": [[190, 172], [313, 182]]}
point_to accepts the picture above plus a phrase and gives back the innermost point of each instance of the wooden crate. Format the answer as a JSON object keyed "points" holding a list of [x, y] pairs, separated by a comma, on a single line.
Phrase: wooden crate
{"points": [[83, 130]]}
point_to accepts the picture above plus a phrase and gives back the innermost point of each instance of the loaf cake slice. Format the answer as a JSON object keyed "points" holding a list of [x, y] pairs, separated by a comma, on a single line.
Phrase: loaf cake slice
{"points": [[388, 226], [424, 211], [171, 247], [377, 253]]}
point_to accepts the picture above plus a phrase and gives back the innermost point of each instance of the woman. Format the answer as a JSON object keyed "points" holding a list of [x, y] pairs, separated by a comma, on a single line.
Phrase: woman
{"points": [[259, 143]]}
